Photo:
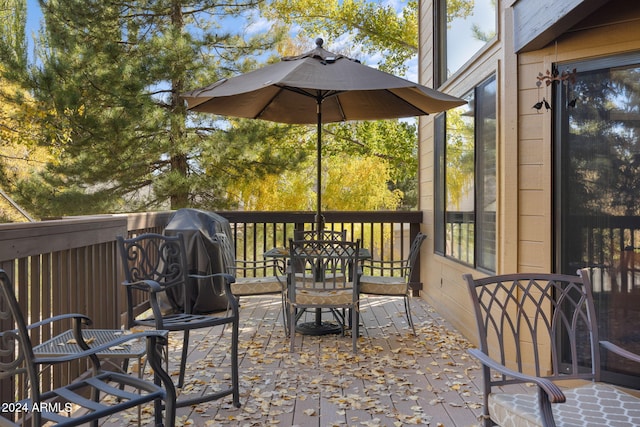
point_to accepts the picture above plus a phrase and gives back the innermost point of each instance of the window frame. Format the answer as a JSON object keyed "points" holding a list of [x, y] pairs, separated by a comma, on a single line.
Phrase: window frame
{"points": [[440, 184]]}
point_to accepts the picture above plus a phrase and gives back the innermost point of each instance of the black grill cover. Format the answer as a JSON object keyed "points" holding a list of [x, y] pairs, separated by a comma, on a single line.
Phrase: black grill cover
{"points": [[203, 255]]}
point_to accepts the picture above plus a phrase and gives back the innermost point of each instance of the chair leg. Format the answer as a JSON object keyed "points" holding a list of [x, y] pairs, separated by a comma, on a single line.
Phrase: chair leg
{"points": [[95, 396], [407, 309], [163, 378], [285, 315], [170, 413], [226, 314], [125, 369], [355, 327], [343, 320], [292, 327], [183, 360], [235, 375], [165, 356]]}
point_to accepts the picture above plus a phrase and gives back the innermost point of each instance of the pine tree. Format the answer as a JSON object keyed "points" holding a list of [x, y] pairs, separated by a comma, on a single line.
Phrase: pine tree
{"points": [[112, 73]]}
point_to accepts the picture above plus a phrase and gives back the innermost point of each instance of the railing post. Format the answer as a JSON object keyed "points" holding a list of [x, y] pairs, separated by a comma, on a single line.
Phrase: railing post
{"points": [[298, 226]]}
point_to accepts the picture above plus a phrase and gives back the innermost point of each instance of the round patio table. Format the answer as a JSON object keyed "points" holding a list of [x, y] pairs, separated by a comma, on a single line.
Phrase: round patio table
{"points": [[317, 327]]}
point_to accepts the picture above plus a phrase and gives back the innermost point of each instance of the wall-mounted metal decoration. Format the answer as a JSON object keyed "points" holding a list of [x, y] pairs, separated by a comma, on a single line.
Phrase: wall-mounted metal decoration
{"points": [[566, 77]]}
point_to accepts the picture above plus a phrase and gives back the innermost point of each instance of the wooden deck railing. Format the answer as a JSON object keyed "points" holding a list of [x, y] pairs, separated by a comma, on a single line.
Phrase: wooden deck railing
{"points": [[72, 264]]}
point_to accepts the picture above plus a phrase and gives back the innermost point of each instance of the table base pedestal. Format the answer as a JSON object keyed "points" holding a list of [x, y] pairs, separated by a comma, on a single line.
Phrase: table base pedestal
{"points": [[315, 328]]}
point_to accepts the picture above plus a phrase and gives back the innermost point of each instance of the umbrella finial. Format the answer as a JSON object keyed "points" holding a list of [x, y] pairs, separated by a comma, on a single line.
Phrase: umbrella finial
{"points": [[319, 42]]}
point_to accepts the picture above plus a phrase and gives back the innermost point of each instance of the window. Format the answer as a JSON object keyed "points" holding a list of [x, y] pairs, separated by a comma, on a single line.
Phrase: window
{"points": [[465, 173], [463, 27]]}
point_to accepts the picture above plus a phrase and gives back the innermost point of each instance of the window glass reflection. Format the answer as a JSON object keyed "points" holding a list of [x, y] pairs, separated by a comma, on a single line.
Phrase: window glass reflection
{"points": [[465, 174], [486, 175], [468, 26], [598, 144], [460, 182]]}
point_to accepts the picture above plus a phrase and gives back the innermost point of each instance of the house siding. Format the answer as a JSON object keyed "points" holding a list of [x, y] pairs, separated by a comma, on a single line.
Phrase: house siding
{"points": [[539, 22], [524, 145]]}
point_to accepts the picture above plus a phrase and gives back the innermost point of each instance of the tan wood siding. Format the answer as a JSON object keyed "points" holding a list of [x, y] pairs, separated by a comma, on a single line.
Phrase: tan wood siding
{"points": [[442, 278], [591, 39], [524, 146]]}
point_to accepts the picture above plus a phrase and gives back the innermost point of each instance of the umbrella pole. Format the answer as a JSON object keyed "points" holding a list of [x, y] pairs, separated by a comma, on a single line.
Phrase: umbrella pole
{"points": [[319, 217]]}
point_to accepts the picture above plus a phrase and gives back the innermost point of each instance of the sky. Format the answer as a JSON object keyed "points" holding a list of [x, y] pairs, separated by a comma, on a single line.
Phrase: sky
{"points": [[459, 51], [34, 16], [33, 21], [461, 44]]}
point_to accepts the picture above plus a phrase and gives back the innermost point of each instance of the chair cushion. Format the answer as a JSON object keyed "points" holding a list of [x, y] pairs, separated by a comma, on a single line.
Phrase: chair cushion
{"points": [[594, 404], [258, 285], [380, 285], [308, 296]]}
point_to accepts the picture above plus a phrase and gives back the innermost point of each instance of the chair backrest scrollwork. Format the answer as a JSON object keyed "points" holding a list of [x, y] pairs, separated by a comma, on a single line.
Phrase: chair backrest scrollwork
{"points": [[160, 258], [538, 323], [324, 264], [322, 235]]}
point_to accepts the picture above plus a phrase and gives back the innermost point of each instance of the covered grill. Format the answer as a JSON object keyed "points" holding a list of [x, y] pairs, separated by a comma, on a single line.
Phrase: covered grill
{"points": [[203, 255]]}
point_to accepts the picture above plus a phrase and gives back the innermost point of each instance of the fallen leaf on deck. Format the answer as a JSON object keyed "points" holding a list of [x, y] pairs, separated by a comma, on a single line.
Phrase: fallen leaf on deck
{"points": [[391, 371]]}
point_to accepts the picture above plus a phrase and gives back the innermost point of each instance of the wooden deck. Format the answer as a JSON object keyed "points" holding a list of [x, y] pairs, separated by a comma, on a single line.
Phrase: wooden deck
{"points": [[395, 379]]}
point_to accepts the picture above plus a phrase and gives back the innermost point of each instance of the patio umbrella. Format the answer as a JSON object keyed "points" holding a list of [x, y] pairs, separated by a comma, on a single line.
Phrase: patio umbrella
{"points": [[318, 87]]}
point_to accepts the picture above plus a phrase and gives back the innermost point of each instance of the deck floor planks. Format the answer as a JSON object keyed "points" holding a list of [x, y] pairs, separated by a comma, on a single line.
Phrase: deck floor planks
{"points": [[386, 332], [435, 396], [418, 406], [395, 377], [453, 393], [261, 341]]}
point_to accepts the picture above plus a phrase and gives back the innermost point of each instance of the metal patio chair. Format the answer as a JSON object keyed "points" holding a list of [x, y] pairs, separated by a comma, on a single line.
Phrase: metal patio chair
{"points": [[392, 278], [324, 275], [155, 263], [259, 277], [540, 329], [97, 394], [324, 235]]}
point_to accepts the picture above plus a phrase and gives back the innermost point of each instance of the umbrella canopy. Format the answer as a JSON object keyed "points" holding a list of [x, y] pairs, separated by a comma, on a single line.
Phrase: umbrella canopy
{"points": [[318, 87]]}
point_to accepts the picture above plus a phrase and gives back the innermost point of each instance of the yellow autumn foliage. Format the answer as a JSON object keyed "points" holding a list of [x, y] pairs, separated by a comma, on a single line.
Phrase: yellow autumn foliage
{"points": [[20, 155], [348, 183]]}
